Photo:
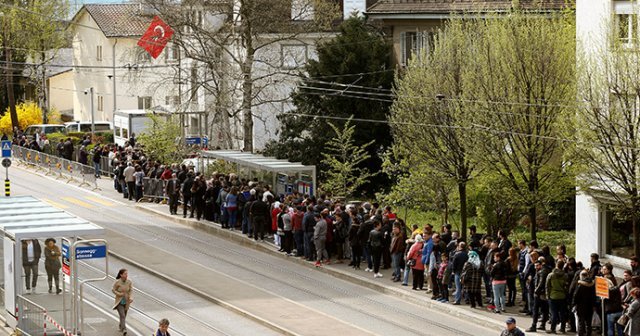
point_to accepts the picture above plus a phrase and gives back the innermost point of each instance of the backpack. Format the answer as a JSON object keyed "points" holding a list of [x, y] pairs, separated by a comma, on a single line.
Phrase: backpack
{"points": [[280, 221]]}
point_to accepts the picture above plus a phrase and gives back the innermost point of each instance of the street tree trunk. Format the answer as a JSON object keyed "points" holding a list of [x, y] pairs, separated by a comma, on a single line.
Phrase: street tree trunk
{"points": [[534, 222], [247, 78], [9, 81], [635, 206], [462, 190]]}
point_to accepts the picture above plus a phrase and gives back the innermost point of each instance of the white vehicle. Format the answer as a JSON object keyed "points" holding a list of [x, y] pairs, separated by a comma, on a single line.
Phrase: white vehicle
{"points": [[31, 131], [85, 126], [126, 122]]}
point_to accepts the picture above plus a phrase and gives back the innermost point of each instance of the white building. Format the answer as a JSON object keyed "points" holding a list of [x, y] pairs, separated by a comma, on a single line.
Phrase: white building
{"points": [[106, 58], [597, 229]]}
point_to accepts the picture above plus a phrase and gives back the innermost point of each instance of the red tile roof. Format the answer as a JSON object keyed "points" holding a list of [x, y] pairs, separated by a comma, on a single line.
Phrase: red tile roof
{"points": [[121, 20]]}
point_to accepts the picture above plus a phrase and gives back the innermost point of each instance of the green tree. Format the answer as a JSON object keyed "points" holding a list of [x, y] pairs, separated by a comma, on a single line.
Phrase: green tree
{"points": [[430, 124], [344, 157], [518, 83], [34, 29], [416, 186], [336, 86], [160, 140]]}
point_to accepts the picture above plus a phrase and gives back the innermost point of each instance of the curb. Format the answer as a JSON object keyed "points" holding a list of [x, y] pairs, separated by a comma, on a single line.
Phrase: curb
{"points": [[195, 291], [234, 236]]}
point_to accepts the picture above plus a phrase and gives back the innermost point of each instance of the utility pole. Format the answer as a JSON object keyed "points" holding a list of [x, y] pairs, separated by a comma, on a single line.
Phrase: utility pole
{"points": [[93, 124]]}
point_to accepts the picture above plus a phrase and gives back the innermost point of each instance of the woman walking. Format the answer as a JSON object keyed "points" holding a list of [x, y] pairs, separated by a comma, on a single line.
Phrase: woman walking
{"points": [[52, 263], [122, 289]]}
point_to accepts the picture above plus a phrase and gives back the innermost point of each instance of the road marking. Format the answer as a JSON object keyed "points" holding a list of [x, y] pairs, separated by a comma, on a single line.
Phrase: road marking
{"points": [[100, 201], [56, 204], [78, 202]]}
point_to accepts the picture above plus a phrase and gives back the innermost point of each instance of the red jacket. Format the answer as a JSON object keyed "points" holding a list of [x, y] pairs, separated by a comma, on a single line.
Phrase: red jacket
{"points": [[296, 221]]}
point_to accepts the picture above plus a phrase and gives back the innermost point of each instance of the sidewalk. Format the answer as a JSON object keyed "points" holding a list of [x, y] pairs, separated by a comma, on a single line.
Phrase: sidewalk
{"points": [[483, 316]]}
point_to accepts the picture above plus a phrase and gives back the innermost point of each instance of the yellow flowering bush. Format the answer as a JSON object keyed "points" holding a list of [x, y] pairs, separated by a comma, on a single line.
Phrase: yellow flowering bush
{"points": [[29, 113]]}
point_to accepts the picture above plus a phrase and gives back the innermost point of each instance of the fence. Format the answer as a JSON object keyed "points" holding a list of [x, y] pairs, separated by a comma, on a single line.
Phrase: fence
{"points": [[31, 317], [154, 189], [57, 166]]}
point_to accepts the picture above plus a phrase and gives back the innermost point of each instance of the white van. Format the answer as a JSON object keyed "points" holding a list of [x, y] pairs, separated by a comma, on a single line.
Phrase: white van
{"points": [[85, 126], [31, 131]]}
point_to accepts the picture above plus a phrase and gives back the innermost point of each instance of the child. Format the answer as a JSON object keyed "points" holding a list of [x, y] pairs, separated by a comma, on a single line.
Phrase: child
{"points": [[444, 275]]}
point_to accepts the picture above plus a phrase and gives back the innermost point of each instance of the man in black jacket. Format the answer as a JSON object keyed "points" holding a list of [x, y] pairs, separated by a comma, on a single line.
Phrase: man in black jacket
{"points": [[540, 303], [260, 216], [31, 252], [173, 191], [186, 194]]}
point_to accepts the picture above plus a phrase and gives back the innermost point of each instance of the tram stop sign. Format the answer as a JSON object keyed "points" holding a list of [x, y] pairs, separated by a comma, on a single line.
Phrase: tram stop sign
{"points": [[6, 148], [6, 163]]}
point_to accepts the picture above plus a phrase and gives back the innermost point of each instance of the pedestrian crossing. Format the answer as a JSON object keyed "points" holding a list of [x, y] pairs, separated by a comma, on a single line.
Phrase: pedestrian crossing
{"points": [[88, 202]]}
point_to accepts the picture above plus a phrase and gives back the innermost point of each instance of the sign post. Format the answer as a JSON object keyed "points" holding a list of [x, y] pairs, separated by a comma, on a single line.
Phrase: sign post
{"points": [[5, 146], [602, 291]]}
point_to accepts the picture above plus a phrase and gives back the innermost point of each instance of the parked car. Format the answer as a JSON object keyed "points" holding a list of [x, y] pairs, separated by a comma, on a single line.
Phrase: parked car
{"points": [[85, 126], [31, 131]]}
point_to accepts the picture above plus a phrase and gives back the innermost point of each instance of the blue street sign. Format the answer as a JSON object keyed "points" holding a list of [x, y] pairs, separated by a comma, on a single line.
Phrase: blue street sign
{"points": [[86, 252], [194, 140], [6, 148], [91, 252]]}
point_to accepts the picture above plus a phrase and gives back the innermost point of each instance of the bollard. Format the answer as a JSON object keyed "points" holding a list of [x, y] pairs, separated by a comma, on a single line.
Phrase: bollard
{"points": [[7, 188]]}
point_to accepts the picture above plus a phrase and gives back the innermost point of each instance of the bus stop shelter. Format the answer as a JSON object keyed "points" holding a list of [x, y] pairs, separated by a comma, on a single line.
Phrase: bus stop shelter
{"points": [[26, 218], [284, 176]]}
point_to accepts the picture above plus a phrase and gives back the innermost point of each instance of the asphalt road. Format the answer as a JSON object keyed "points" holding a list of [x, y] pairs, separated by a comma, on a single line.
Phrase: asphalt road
{"points": [[337, 301]]}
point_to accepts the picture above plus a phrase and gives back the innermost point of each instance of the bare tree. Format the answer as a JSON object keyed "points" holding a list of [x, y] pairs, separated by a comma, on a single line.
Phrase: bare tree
{"points": [[609, 128], [234, 48]]}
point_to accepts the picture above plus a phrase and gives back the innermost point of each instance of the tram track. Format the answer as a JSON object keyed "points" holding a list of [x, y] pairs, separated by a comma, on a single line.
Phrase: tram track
{"points": [[154, 319], [318, 284]]}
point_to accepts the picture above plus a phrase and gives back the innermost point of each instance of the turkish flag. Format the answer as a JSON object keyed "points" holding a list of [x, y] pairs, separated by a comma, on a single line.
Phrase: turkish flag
{"points": [[156, 37]]}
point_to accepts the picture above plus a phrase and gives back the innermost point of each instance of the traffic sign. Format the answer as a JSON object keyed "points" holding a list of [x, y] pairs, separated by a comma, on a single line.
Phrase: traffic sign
{"points": [[6, 148], [91, 252], [6, 163], [602, 287], [87, 252]]}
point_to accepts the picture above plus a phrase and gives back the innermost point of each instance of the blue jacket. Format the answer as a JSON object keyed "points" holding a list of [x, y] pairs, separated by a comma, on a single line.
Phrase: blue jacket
{"points": [[426, 251]]}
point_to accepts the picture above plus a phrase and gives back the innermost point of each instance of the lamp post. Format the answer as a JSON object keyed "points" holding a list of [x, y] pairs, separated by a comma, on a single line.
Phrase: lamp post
{"points": [[93, 124]]}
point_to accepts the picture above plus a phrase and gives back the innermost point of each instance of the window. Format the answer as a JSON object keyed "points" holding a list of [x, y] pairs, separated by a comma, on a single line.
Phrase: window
{"points": [[172, 53], [100, 103], [293, 56], [144, 103], [627, 28], [99, 53], [172, 100], [413, 43]]}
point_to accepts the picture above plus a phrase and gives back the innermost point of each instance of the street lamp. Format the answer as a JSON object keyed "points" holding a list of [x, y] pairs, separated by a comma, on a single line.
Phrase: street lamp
{"points": [[89, 91]]}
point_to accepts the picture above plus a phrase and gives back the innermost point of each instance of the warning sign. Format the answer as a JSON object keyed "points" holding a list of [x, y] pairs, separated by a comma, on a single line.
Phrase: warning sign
{"points": [[6, 148], [602, 287]]}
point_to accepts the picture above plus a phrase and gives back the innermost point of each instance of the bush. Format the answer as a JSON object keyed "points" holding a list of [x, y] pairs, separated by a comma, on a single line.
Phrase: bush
{"points": [[550, 238], [28, 114]]}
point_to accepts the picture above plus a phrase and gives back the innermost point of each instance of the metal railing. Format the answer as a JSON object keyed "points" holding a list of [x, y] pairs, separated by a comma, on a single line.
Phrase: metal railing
{"points": [[31, 317], [154, 189], [57, 166]]}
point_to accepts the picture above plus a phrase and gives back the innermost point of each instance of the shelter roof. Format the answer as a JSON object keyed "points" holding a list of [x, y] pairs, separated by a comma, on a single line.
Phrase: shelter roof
{"points": [[258, 161], [28, 217]]}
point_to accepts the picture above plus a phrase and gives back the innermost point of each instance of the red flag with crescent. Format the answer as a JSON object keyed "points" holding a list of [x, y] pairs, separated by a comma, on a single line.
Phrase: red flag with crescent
{"points": [[156, 37]]}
